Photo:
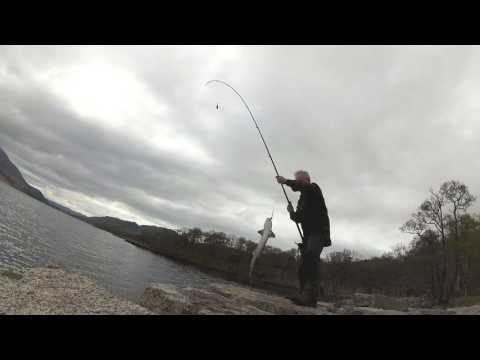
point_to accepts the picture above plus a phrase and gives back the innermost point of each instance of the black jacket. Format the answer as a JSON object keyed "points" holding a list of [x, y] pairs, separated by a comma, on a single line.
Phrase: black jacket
{"points": [[311, 211]]}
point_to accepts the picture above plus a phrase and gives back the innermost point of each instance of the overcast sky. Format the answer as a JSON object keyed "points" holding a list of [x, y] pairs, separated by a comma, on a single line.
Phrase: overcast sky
{"points": [[132, 132]]}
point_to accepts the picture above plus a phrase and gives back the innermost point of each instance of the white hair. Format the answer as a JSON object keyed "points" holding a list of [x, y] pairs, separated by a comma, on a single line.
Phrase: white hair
{"points": [[302, 173]]}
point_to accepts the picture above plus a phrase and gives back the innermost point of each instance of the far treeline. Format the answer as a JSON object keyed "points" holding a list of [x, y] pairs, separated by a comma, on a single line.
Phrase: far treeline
{"points": [[442, 261]]}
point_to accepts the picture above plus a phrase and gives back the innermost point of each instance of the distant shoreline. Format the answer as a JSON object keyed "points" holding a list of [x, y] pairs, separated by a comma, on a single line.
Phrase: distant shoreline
{"points": [[184, 258], [275, 288]]}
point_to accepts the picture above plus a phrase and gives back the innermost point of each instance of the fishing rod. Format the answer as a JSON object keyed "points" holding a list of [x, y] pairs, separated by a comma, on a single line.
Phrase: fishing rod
{"points": [[263, 140]]}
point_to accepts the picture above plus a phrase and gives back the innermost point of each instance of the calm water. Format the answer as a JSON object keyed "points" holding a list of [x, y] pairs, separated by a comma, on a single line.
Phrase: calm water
{"points": [[33, 234]]}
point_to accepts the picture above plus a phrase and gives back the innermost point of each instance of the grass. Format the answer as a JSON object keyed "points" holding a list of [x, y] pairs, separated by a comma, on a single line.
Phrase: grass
{"points": [[466, 301]]}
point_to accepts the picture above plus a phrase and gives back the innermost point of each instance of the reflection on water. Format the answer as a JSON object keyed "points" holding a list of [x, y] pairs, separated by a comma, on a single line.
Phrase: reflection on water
{"points": [[33, 234]]}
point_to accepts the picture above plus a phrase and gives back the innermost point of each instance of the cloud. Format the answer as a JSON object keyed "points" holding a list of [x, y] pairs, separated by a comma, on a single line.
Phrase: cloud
{"points": [[132, 131]]}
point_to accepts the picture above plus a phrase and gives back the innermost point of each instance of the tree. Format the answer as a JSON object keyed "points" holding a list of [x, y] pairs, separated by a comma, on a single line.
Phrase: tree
{"points": [[216, 238], [440, 215], [339, 268], [241, 243], [430, 216], [250, 246], [425, 249], [193, 235], [460, 199], [469, 248], [293, 252]]}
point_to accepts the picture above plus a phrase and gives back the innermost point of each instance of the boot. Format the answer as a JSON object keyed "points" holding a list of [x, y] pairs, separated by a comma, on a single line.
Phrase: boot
{"points": [[301, 282], [297, 297], [307, 298]]}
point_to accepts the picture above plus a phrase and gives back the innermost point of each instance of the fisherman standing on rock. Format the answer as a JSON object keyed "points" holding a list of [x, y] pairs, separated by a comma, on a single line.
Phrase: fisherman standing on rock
{"points": [[312, 214]]}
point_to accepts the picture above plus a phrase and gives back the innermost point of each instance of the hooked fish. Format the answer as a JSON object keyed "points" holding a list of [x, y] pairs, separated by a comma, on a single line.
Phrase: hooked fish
{"points": [[266, 233]]}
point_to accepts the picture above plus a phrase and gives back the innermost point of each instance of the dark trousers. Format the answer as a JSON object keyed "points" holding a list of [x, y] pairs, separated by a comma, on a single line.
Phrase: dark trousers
{"points": [[309, 263]]}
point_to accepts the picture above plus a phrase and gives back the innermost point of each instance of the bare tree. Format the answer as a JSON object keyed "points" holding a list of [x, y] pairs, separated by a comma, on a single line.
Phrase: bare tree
{"points": [[193, 235], [431, 216], [460, 199], [442, 213]]}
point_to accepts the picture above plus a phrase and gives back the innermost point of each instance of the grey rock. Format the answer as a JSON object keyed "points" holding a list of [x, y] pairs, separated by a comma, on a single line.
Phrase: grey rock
{"points": [[363, 300], [381, 301], [414, 311], [221, 299], [466, 310], [376, 311]]}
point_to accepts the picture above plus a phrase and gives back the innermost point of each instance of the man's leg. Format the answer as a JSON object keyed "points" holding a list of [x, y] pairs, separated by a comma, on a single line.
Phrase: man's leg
{"points": [[301, 270], [314, 271], [300, 273], [310, 259]]}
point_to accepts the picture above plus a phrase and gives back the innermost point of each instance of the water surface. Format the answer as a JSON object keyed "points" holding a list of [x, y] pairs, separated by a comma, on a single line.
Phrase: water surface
{"points": [[33, 234]]}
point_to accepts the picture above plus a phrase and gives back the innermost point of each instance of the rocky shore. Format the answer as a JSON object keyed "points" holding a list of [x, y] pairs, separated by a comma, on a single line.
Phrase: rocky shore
{"points": [[54, 291]]}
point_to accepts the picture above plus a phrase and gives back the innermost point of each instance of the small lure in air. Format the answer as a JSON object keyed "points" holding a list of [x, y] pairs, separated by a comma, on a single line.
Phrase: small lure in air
{"points": [[266, 233], [217, 106]]}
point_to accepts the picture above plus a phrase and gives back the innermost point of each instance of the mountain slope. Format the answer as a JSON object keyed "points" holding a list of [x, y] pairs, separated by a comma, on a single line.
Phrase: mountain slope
{"points": [[10, 174], [66, 210]]}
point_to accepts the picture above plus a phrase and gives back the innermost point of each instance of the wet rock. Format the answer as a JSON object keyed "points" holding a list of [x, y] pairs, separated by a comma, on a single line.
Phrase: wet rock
{"points": [[13, 275]]}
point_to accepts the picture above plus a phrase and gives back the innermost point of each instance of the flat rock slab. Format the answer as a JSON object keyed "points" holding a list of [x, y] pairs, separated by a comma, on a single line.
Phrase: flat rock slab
{"points": [[379, 301], [223, 299], [48, 291], [466, 310], [220, 299]]}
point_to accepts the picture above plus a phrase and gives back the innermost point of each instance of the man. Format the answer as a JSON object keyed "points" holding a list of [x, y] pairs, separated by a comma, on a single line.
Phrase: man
{"points": [[312, 214]]}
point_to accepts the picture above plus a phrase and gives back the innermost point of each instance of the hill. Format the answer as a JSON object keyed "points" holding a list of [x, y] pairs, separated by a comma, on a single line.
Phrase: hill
{"points": [[10, 174]]}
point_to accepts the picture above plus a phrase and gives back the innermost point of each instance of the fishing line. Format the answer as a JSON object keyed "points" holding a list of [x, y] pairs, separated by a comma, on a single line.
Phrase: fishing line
{"points": [[261, 136]]}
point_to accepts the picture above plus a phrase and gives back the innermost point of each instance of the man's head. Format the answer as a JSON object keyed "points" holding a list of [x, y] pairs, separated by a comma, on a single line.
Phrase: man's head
{"points": [[302, 176]]}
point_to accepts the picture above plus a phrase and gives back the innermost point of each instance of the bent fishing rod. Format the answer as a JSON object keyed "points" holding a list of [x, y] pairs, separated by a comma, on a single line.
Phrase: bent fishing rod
{"points": [[263, 140]]}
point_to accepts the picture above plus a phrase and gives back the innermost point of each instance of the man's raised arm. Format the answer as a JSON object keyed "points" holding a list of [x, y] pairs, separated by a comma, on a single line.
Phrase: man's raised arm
{"points": [[294, 184]]}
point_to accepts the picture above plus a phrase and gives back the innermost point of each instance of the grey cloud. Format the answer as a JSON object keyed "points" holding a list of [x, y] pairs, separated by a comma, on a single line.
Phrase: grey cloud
{"points": [[372, 124]]}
